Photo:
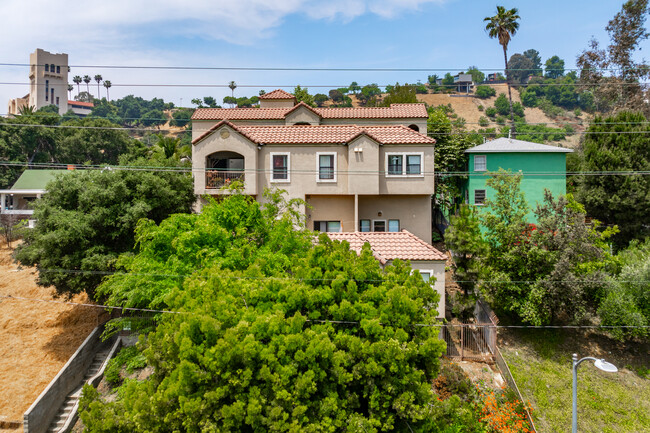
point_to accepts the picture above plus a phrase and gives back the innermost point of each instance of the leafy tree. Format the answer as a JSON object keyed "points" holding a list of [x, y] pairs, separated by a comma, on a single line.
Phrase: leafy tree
{"points": [[463, 237], [199, 103], [259, 351], [84, 97], [336, 95], [244, 102], [477, 76], [502, 105], [503, 26], [87, 219], [528, 98], [369, 94], [105, 110], [534, 57], [420, 88], [153, 118], [614, 144], [302, 95], [93, 146], [448, 80], [320, 99], [171, 148], [181, 118], [612, 73], [354, 87], [227, 100], [399, 95], [554, 67], [520, 68], [485, 92], [210, 102]]}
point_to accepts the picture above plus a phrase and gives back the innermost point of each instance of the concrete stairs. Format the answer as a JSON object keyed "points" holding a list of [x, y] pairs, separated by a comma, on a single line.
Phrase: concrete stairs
{"points": [[63, 420]]}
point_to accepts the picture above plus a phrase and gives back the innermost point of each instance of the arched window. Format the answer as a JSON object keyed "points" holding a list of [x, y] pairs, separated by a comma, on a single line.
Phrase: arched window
{"points": [[415, 127]]}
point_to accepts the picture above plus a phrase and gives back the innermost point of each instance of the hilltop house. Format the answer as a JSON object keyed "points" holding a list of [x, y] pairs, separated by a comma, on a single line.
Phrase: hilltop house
{"points": [[359, 169], [543, 167]]}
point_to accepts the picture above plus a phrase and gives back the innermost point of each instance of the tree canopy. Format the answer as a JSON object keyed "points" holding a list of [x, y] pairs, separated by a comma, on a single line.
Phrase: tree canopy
{"points": [[276, 332]]}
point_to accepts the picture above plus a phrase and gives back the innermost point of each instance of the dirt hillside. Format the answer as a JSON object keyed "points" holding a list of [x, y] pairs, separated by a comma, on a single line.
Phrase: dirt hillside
{"points": [[36, 338]]}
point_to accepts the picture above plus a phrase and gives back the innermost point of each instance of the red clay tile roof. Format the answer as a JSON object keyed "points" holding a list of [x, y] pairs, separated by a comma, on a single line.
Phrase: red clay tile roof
{"points": [[277, 94], [323, 134], [395, 111], [82, 104], [387, 246]]}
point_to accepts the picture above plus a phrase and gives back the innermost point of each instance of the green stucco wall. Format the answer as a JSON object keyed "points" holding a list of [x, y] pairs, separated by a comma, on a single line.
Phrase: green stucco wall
{"points": [[549, 173]]}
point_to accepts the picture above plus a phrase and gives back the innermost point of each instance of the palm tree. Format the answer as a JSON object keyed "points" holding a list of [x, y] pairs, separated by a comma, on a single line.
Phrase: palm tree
{"points": [[232, 86], [87, 81], [503, 26], [77, 80], [107, 84], [98, 78], [70, 89]]}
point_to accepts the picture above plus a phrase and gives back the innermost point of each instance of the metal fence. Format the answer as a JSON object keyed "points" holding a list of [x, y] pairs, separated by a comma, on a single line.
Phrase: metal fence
{"points": [[468, 341]]}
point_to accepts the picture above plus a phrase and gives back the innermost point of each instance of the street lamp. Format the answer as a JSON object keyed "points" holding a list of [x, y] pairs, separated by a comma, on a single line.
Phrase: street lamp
{"points": [[599, 363]]}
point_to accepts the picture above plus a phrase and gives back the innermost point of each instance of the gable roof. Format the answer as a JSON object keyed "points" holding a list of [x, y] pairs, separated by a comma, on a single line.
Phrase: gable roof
{"points": [[395, 111], [511, 145], [277, 94], [387, 246], [35, 179], [322, 134]]}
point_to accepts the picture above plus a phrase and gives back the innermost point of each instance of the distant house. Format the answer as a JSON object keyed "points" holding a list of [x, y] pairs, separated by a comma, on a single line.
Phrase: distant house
{"points": [[463, 82], [16, 203], [403, 245], [543, 167], [81, 109]]}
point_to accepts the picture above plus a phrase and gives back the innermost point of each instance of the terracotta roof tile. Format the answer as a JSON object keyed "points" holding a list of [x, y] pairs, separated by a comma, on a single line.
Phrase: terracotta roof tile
{"points": [[387, 246], [81, 104], [395, 111], [322, 134], [277, 94]]}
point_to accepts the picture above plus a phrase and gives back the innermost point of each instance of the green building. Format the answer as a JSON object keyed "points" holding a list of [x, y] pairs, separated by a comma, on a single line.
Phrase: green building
{"points": [[543, 167]]}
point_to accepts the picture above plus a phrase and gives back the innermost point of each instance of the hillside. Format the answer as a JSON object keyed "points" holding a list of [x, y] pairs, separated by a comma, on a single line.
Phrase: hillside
{"points": [[36, 338]]}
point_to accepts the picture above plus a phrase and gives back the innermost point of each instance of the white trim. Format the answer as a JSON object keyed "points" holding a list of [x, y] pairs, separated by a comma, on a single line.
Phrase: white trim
{"points": [[484, 157], [288, 155], [318, 155], [385, 226], [404, 165], [431, 275]]}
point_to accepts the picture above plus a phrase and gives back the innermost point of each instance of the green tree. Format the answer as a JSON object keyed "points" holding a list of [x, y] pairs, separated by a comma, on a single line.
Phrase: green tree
{"points": [[87, 80], [534, 57], [354, 88], [171, 147], [153, 118], [181, 118], [226, 100], [502, 27], [77, 80], [502, 105], [485, 92], [618, 144], [302, 95], [320, 99], [463, 238], [232, 85], [108, 85], [210, 102], [98, 79], [554, 67], [96, 142], [448, 80], [336, 95], [399, 95], [369, 94], [87, 219], [520, 68], [259, 350], [477, 75]]}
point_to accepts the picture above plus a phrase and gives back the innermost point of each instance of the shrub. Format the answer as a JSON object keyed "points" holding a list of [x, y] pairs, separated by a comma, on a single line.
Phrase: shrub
{"points": [[577, 112], [529, 98], [501, 120], [483, 121], [480, 108], [130, 358], [517, 109], [484, 92], [502, 105], [491, 111]]}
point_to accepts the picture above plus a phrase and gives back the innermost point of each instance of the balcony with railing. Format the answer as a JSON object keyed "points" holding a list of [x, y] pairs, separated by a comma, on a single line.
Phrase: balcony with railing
{"points": [[217, 178]]}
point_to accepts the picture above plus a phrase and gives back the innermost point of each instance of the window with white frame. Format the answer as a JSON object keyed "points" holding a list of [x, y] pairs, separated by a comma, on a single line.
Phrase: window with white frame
{"points": [[326, 166], [426, 275], [479, 197], [327, 226], [480, 163], [404, 164], [280, 167], [379, 225]]}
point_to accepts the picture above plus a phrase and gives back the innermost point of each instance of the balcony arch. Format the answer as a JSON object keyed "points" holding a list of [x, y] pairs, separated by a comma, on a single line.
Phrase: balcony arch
{"points": [[223, 168]]}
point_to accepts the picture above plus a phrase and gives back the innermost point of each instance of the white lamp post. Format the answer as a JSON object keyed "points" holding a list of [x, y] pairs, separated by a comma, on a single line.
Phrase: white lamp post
{"points": [[599, 363]]}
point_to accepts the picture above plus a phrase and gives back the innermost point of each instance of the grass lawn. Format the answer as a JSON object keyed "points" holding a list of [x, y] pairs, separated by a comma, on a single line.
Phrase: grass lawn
{"points": [[540, 361]]}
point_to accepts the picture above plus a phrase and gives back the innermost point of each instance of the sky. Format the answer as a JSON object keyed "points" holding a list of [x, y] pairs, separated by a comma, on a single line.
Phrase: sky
{"points": [[437, 35]]}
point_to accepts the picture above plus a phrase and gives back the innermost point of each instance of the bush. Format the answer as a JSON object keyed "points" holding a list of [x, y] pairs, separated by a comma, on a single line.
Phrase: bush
{"points": [[181, 118], [484, 92], [501, 120], [130, 358], [577, 112], [491, 111], [480, 108], [529, 98], [483, 121], [502, 105], [518, 109], [549, 109]]}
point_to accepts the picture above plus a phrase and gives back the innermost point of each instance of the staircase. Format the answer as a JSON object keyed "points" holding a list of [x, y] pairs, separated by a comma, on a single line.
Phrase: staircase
{"points": [[66, 416]]}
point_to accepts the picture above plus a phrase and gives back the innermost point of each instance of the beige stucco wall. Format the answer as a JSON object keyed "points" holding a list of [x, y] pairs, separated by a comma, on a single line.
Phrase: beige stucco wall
{"points": [[57, 81], [413, 212], [438, 269], [277, 103], [363, 166], [224, 139], [410, 184], [302, 115], [421, 123], [331, 208]]}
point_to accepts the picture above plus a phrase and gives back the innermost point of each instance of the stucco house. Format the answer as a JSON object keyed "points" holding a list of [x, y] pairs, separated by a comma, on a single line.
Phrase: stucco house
{"points": [[359, 169], [403, 245], [543, 167]]}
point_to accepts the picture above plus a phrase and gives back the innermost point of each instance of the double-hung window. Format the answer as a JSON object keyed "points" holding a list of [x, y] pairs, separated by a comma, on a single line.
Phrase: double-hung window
{"points": [[479, 197], [327, 226], [404, 164], [480, 163], [326, 167], [280, 167]]}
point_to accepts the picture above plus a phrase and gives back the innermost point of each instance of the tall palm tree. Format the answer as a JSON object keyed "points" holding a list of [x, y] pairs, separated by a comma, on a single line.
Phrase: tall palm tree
{"points": [[87, 81], [232, 86], [70, 89], [107, 84], [503, 27], [99, 79], [77, 80]]}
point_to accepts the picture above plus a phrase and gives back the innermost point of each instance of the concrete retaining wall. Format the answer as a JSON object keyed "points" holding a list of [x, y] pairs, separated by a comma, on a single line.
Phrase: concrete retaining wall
{"points": [[38, 417]]}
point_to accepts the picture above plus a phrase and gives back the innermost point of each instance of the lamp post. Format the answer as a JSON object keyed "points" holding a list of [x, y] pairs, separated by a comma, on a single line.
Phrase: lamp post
{"points": [[599, 363]]}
